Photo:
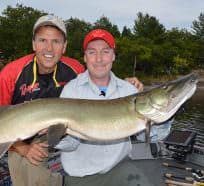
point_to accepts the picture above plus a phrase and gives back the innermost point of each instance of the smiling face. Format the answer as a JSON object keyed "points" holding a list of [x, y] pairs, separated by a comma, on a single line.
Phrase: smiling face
{"points": [[99, 58], [49, 45]]}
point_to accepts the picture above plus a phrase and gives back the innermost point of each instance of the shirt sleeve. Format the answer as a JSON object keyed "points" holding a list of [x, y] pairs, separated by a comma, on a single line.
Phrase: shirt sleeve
{"points": [[69, 90], [6, 88], [127, 89], [68, 144]]}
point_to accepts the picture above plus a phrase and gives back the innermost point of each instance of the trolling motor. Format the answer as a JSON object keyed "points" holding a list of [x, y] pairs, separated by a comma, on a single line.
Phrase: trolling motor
{"points": [[180, 143]]}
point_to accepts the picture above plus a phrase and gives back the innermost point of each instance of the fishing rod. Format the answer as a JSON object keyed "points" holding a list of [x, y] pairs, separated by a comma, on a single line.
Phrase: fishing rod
{"points": [[197, 174]]}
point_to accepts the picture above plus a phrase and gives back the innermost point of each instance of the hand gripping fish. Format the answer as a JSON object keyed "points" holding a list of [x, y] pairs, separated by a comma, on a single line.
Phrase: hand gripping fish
{"points": [[95, 119]]}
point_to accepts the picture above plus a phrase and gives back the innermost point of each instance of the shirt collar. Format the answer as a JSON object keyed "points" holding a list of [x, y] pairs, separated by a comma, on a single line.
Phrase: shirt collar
{"points": [[112, 86]]}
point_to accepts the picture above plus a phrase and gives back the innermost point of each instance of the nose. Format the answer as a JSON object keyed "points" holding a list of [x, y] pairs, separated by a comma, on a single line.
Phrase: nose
{"points": [[49, 46], [98, 57]]}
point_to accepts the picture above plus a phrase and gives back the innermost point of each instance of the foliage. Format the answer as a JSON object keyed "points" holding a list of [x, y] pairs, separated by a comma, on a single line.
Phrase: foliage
{"points": [[105, 23], [154, 50], [198, 26], [16, 30], [198, 30], [148, 27], [126, 32], [76, 30]]}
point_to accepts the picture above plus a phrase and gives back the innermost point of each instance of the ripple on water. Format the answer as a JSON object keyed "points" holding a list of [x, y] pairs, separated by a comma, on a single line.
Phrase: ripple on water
{"points": [[191, 117]]}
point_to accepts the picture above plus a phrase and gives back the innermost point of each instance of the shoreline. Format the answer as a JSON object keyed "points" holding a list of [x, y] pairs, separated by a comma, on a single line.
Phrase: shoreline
{"points": [[152, 81]]}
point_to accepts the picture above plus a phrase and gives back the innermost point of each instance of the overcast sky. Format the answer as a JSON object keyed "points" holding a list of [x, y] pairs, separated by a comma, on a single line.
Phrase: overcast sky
{"points": [[170, 13]]}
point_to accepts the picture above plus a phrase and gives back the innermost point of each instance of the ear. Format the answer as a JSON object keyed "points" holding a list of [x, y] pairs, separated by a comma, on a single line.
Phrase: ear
{"points": [[113, 57], [33, 43], [64, 47], [85, 58]]}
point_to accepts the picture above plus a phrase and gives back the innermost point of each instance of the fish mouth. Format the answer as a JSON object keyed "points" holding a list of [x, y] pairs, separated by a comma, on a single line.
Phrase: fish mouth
{"points": [[174, 94], [165, 114]]}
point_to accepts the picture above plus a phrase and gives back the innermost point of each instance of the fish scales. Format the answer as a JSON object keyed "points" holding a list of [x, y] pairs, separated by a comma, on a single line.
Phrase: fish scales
{"points": [[83, 116], [96, 119]]}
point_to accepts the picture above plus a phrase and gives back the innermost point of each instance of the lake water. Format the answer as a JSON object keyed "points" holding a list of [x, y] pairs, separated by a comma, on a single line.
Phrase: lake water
{"points": [[191, 116]]}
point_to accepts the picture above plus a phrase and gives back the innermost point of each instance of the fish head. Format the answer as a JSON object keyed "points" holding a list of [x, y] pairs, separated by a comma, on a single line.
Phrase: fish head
{"points": [[162, 102]]}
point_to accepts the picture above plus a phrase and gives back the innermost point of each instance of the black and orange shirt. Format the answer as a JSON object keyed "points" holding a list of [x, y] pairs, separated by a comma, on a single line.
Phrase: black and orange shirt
{"points": [[20, 81]]}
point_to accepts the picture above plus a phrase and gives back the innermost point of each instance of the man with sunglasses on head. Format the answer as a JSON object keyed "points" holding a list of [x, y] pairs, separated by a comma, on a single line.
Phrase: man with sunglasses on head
{"points": [[97, 163]]}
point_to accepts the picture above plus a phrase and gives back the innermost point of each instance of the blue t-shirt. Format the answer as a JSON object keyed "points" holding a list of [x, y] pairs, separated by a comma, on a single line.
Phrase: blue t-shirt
{"points": [[103, 90]]}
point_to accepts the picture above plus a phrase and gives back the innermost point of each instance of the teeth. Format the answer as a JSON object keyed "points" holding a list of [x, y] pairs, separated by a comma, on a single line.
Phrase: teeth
{"points": [[48, 55]]}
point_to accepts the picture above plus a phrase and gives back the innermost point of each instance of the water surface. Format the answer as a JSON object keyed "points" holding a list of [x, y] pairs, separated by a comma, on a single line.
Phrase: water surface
{"points": [[191, 116]]}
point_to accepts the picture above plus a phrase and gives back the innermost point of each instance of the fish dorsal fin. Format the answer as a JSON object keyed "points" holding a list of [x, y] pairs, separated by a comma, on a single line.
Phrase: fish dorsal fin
{"points": [[4, 148], [55, 134]]}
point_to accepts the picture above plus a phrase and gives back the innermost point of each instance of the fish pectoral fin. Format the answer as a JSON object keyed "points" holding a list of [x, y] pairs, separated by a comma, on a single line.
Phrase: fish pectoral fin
{"points": [[4, 147], [55, 134]]}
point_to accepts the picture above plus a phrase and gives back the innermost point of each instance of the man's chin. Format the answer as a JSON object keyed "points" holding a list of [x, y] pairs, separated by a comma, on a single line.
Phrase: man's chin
{"points": [[101, 75], [49, 67], [49, 63]]}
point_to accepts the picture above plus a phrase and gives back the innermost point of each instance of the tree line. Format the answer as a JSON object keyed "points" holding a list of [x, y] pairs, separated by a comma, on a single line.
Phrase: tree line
{"points": [[147, 48]]}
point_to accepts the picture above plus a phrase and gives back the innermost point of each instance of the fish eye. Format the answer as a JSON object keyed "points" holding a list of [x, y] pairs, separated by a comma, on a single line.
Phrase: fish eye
{"points": [[173, 96]]}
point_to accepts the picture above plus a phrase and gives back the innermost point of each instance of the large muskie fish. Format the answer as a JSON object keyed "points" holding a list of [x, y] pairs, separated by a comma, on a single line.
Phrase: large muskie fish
{"points": [[95, 119]]}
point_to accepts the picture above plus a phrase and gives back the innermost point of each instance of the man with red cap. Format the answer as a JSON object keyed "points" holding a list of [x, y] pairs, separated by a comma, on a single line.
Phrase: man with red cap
{"points": [[83, 158], [96, 163]]}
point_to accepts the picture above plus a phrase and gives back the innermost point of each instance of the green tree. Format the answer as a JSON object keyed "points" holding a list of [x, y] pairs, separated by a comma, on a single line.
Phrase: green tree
{"points": [[148, 27], [177, 48], [105, 23], [76, 30], [129, 49], [198, 30], [198, 26], [16, 26], [126, 32], [125, 51]]}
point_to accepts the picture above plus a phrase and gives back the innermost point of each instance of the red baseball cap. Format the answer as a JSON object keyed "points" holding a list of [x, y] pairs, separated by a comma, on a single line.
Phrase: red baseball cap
{"points": [[99, 34]]}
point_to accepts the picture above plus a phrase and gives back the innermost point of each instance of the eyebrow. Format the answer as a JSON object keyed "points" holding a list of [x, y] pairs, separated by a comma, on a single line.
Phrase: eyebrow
{"points": [[91, 48]]}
